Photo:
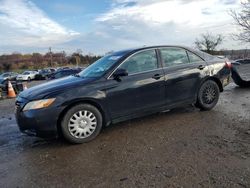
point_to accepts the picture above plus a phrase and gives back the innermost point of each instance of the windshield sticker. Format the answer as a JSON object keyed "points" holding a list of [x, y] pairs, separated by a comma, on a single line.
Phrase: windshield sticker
{"points": [[114, 58]]}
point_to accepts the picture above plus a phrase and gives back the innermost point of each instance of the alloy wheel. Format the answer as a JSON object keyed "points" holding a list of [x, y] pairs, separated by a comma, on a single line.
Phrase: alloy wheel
{"points": [[209, 94]]}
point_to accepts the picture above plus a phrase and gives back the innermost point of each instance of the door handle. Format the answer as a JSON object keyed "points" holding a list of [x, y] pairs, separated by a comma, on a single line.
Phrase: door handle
{"points": [[157, 76], [201, 67]]}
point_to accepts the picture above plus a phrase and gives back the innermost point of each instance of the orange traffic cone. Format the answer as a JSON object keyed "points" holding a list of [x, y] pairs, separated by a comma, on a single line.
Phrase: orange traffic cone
{"points": [[11, 92], [25, 86]]}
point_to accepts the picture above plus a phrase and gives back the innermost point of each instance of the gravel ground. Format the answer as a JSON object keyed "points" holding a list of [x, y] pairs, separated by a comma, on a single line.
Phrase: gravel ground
{"points": [[181, 148]]}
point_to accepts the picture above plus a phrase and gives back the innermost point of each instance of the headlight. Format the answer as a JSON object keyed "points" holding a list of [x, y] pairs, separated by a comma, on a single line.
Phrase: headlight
{"points": [[38, 104]]}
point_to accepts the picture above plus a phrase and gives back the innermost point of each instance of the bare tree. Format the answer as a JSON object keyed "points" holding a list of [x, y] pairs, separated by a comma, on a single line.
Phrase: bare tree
{"points": [[242, 19], [208, 42]]}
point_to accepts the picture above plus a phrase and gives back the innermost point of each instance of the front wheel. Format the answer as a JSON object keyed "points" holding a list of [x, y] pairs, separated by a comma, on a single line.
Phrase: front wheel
{"points": [[82, 123], [208, 95]]}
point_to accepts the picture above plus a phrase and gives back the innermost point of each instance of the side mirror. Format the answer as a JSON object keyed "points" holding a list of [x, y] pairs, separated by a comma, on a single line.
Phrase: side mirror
{"points": [[120, 73]]}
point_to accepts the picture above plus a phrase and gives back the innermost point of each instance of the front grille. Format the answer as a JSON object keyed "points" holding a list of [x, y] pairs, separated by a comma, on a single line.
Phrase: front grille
{"points": [[19, 104]]}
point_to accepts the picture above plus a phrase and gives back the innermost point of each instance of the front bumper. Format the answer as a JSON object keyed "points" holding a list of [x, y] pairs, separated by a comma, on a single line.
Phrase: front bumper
{"points": [[20, 78], [40, 122]]}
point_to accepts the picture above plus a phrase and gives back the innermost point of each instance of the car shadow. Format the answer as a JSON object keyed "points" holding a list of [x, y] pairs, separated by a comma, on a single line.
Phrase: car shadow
{"points": [[156, 117], [38, 143]]}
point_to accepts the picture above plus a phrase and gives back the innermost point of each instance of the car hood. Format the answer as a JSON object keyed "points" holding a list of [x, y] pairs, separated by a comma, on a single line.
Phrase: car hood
{"points": [[63, 84]]}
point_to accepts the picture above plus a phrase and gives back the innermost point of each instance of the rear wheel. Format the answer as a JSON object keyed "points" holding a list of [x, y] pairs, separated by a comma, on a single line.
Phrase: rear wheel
{"points": [[82, 123], [208, 95]]}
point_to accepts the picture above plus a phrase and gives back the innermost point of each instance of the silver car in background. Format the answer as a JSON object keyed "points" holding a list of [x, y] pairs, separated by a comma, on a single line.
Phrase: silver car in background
{"points": [[27, 76]]}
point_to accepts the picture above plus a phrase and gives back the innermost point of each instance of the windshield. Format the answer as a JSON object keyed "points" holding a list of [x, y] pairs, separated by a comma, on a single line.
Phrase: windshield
{"points": [[26, 73], [4, 75], [99, 68], [58, 75]]}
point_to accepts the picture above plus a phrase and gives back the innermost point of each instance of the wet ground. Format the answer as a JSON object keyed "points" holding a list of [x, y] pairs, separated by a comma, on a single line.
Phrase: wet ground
{"points": [[181, 148]]}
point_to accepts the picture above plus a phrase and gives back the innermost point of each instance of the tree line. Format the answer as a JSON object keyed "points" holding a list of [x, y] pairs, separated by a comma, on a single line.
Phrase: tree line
{"points": [[208, 42], [18, 61]]}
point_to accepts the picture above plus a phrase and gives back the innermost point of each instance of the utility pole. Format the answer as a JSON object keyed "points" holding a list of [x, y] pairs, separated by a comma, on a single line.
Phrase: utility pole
{"points": [[50, 52], [78, 57], [245, 54]]}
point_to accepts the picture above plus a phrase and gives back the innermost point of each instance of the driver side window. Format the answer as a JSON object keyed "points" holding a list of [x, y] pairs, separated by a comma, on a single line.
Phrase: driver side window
{"points": [[140, 62]]}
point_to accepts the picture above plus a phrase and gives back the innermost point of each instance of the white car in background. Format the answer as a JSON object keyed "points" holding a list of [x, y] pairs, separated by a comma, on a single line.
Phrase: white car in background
{"points": [[27, 75]]}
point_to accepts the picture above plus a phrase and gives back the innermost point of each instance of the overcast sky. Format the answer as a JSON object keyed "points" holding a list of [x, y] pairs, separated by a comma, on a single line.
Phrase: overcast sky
{"points": [[99, 26]]}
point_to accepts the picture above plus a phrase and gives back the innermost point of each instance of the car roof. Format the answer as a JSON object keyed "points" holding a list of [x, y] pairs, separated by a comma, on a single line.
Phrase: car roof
{"points": [[157, 46], [7, 72], [203, 55], [122, 52]]}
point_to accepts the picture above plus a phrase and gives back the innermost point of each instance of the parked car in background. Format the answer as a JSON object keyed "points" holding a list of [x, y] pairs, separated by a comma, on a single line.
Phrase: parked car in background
{"points": [[121, 86], [17, 86], [63, 73], [62, 68], [8, 76], [52, 70], [242, 61], [241, 72], [27, 76], [43, 74]]}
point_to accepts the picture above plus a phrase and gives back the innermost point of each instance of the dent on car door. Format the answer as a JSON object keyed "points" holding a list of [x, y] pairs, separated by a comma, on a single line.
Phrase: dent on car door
{"points": [[141, 90], [183, 73]]}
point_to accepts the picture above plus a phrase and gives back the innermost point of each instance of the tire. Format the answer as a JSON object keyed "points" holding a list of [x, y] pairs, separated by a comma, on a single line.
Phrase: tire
{"points": [[29, 79], [208, 95], [81, 123]]}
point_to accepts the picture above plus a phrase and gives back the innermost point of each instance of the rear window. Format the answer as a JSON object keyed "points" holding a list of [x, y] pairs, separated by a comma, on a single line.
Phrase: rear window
{"points": [[194, 58], [205, 56]]}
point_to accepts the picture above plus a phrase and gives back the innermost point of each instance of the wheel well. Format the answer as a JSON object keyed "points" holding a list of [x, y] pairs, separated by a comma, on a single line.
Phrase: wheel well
{"points": [[74, 104], [218, 82]]}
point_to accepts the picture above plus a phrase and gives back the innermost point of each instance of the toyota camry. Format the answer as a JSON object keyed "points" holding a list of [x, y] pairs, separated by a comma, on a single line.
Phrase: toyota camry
{"points": [[120, 86]]}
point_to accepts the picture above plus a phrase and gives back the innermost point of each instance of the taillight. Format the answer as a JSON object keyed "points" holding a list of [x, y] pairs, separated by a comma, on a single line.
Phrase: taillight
{"points": [[228, 64]]}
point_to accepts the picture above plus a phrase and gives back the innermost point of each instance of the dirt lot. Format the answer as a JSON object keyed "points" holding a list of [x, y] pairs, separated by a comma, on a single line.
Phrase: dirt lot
{"points": [[181, 148]]}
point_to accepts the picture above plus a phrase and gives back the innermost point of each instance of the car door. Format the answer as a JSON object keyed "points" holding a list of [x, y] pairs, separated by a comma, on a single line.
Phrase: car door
{"points": [[143, 88], [183, 74]]}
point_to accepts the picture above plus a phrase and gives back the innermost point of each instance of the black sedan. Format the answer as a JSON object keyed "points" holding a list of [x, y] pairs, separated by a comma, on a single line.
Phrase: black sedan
{"points": [[63, 73], [241, 72], [43, 74], [121, 86]]}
